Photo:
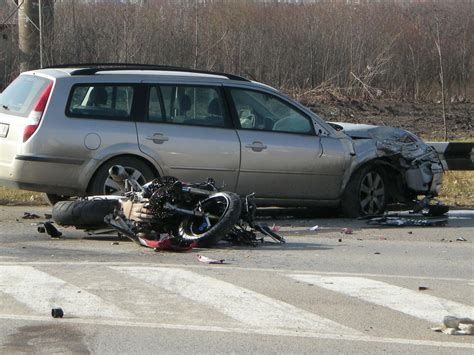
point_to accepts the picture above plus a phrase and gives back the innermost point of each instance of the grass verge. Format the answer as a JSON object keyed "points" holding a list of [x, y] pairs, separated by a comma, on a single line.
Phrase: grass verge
{"points": [[458, 188], [20, 197]]}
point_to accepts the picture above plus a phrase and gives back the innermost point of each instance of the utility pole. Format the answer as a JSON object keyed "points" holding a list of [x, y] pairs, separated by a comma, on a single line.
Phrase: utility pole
{"points": [[28, 34], [33, 17]]}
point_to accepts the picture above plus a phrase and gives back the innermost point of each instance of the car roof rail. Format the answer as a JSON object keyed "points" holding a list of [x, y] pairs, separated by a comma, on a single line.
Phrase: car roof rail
{"points": [[93, 68]]}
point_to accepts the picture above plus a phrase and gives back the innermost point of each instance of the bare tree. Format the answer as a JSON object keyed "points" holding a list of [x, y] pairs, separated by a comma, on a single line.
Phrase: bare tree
{"points": [[441, 76], [358, 50]]}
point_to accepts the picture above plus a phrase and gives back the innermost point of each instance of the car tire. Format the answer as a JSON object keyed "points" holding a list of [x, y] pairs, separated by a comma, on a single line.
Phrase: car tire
{"points": [[83, 214], [52, 199], [102, 183], [365, 193]]}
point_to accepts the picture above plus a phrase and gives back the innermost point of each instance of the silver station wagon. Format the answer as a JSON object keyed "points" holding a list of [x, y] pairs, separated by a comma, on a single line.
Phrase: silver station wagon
{"points": [[62, 128]]}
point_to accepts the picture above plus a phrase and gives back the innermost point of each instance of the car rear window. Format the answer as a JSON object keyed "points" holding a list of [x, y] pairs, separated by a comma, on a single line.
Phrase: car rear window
{"points": [[22, 94], [101, 101]]}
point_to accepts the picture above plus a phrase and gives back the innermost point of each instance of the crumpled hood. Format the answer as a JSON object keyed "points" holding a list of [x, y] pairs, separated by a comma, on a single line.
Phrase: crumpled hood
{"points": [[389, 140], [355, 130]]}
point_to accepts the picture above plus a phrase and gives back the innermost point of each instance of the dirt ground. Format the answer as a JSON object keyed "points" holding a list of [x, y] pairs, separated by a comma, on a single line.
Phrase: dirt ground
{"points": [[422, 119]]}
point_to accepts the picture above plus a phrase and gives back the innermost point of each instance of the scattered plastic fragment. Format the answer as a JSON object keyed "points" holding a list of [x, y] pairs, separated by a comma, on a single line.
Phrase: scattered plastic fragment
{"points": [[455, 322], [115, 243], [48, 216], [314, 228], [51, 230], [437, 210], [165, 245], [266, 230], [456, 326], [423, 288], [275, 228], [346, 230], [206, 260], [28, 215], [57, 313], [461, 239]]}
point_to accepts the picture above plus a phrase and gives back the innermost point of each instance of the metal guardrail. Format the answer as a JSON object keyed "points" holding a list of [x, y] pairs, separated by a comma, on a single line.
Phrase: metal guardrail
{"points": [[455, 155]]}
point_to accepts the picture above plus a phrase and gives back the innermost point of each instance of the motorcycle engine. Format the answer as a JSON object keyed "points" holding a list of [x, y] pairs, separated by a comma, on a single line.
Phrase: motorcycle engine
{"points": [[163, 190]]}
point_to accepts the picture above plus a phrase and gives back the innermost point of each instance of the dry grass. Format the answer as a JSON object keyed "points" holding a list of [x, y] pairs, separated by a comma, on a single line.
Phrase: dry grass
{"points": [[20, 197], [458, 190]]}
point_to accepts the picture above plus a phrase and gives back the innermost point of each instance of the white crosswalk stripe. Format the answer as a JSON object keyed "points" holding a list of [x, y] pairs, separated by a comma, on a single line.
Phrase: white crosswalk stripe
{"points": [[415, 304], [246, 306], [111, 297], [40, 292]]}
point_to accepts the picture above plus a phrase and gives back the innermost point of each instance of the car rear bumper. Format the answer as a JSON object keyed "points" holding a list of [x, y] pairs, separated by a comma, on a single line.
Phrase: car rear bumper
{"points": [[55, 175]]}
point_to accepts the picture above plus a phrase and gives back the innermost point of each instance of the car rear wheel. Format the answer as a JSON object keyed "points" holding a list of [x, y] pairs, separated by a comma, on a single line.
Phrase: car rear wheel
{"points": [[366, 193], [103, 184]]}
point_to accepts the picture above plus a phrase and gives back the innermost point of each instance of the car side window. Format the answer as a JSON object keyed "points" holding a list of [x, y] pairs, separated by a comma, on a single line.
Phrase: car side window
{"points": [[261, 111], [101, 101], [193, 105], [155, 110]]}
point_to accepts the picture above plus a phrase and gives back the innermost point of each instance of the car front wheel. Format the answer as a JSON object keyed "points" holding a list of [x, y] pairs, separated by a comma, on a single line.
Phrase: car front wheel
{"points": [[366, 193]]}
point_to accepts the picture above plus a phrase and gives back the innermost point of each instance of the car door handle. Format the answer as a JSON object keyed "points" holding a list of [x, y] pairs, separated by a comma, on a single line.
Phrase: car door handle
{"points": [[256, 146], [158, 138]]}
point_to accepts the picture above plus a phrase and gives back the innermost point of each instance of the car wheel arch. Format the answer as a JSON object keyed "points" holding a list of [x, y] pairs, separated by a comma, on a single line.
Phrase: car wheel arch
{"points": [[389, 173], [387, 167]]}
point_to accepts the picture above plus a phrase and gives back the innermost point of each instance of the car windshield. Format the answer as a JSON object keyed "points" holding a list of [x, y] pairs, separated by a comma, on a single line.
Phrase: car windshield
{"points": [[20, 96]]}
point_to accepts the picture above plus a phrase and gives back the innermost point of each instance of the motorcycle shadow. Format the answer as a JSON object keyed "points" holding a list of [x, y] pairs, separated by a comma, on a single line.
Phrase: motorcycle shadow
{"points": [[106, 237], [271, 246]]}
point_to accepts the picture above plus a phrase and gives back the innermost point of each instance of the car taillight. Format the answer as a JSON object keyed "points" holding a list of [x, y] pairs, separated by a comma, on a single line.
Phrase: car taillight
{"points": [[37, 112]]}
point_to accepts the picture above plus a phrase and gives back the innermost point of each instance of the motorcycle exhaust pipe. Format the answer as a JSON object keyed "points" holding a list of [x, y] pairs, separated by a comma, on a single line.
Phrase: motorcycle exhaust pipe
{"points": [[118, 173]]}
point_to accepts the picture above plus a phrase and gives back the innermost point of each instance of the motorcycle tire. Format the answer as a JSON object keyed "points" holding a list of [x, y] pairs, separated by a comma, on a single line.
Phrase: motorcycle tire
{"points": [[224, 209], [83, 214]]}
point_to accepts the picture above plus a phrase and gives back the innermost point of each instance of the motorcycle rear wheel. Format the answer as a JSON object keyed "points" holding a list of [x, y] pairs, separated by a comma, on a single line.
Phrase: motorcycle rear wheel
{"points": [[83, 214], [223, 209]]}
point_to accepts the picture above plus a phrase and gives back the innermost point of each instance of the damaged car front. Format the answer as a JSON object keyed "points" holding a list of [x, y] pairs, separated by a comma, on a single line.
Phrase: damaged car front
{"points": [[409, 167]]}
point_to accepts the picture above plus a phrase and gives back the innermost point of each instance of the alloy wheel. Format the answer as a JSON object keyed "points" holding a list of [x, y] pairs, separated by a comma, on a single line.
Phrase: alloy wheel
{"points": [[112, 187], [372, 193]]}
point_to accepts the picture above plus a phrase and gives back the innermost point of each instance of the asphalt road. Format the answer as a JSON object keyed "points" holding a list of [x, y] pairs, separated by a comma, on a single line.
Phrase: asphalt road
{"points": [[323, 291]]}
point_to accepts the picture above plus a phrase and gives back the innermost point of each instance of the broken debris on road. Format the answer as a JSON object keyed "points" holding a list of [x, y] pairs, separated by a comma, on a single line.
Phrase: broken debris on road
{"points": [[206, 260], [404, 220], [456, 326]]}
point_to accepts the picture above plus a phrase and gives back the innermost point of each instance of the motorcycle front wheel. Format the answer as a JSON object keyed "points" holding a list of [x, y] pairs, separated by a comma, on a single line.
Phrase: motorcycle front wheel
{"points": [[222, 210]]}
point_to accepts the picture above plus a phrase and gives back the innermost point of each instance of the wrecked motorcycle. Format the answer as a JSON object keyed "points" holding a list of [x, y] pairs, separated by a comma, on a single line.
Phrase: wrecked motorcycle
{"points": [[166, 213]]}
